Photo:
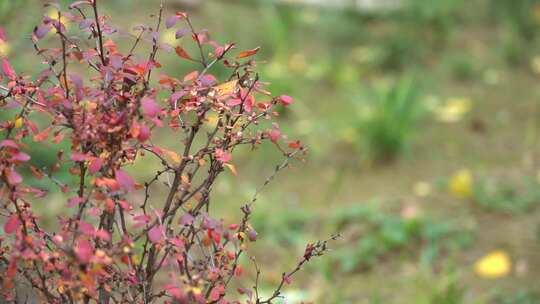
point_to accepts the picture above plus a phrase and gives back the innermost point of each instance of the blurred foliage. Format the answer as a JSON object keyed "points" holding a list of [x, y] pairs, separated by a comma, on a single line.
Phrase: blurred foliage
{"points": [[519, 297], [379, 234], [503, 196], [389, 118]]}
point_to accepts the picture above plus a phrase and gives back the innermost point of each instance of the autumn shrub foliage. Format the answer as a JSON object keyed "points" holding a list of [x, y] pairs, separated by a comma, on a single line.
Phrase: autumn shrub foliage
{"points": [[109, 103]]}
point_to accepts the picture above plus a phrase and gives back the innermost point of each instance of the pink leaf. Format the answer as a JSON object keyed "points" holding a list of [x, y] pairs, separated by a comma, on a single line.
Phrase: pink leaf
{"points": [[13, 177], [74, 201], [20, 156], [186, 219], [84, 251], [126, 182], [234, 102], [177, 242], [191, 76], [286, 100], [8, 143], [95, 165], [223, 156], [102, 234], [8, 70], [248, 103], [12, 224], [149, 107], [216, 292], [274, 135], [144, 133], [177, 95], [155, 234], [86, 229], [2, 35], [78, 157]]}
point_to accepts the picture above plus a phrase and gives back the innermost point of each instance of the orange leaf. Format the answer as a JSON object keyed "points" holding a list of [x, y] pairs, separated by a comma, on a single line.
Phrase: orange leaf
{"points": [[173, 155], [248, 53], [41, 136], [182, 53]]}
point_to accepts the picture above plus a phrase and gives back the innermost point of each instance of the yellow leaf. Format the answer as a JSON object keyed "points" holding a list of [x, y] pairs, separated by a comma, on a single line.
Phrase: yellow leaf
{"points": [[422, 189], [169, 37], [5, 48], [496, 264], [226, 88], [461, 184], [453, 110], [196, 291], [18, 122], [53, 14]]}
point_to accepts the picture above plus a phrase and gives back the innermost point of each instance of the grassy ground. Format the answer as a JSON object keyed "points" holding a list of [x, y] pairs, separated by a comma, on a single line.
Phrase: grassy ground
{"points": [[414, 247]]}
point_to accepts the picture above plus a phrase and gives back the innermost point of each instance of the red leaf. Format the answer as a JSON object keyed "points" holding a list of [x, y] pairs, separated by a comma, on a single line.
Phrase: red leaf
{"points": [[126, 182], [12, 268], [181, 15], [294, 144], [182, 53], [12, 224], [248, 53], [8, 70], [149, 107], [155, 234]]}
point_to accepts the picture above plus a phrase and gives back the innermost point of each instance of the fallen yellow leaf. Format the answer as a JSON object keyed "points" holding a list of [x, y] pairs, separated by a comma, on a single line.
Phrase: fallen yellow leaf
{"points": [[461, 184], [422, 189], [496, 264], [453, 110]]}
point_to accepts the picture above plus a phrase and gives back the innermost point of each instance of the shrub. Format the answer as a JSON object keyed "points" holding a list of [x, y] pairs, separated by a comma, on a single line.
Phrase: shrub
{"points": [[116, 240]]}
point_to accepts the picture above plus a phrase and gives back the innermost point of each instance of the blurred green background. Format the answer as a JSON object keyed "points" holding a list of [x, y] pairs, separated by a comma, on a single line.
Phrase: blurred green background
{"points": [[422, 118]]}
